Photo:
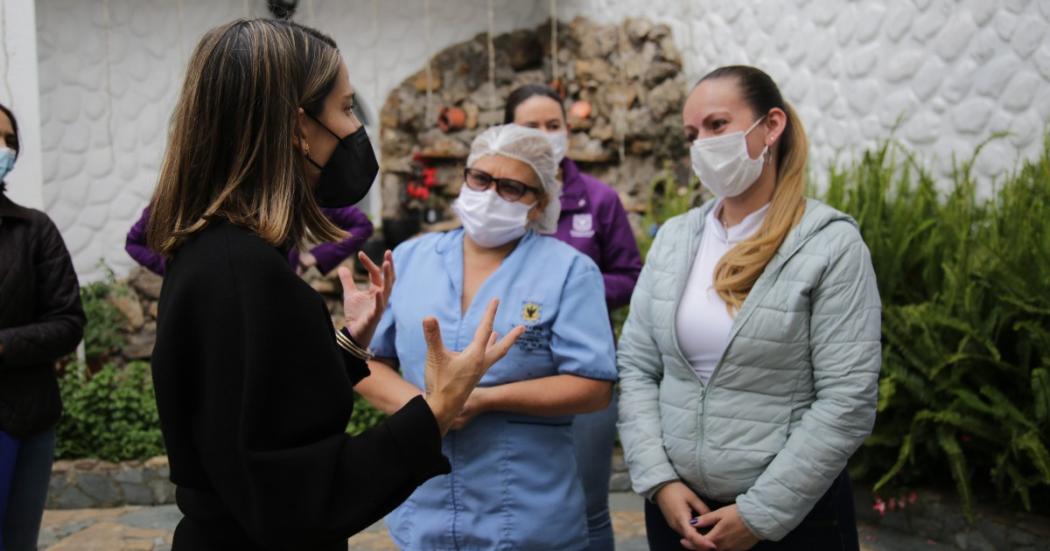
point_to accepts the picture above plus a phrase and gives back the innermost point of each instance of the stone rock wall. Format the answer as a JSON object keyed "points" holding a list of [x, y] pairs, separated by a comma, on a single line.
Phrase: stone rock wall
{"points": [[139, 308], [623, 87], [90, 483]]}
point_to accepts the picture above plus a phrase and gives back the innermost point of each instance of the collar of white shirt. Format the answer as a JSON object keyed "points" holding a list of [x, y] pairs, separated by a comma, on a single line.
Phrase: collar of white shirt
{"points": [[745, 229]]}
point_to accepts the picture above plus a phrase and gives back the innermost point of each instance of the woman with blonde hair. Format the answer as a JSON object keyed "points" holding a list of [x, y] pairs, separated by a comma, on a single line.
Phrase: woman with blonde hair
{"points": [[749, 363], [254, 385]]}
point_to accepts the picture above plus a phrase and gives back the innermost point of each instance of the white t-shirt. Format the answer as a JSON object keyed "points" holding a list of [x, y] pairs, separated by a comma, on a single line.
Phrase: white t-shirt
{"points": [[703, 322]]}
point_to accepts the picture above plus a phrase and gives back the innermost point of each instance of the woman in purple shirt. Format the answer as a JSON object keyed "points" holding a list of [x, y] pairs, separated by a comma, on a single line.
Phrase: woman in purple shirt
{"points": [[594, 222], [325, 257]]}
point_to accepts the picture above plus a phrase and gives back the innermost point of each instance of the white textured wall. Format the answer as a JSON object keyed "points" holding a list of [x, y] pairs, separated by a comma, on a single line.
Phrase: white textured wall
{"points": [[951, 71], [18, 91]]}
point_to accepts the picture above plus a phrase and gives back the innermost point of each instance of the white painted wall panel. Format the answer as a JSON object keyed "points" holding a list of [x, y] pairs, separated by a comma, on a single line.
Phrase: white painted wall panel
{"points": [[943, 73]]}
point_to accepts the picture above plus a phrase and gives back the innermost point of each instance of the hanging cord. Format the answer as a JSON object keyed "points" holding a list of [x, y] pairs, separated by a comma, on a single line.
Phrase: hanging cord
{"points": [[310, 12], [7, 56], [492, 57], [244, 8], [554, 40], [108, 27], [429, 119]]}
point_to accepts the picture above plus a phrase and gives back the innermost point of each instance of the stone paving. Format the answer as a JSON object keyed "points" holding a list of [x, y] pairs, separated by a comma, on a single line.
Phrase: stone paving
{"points": [[150, 529]]}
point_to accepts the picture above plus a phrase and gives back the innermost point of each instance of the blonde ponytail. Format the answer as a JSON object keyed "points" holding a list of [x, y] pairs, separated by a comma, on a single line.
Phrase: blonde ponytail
{"points": [[737, 271]]}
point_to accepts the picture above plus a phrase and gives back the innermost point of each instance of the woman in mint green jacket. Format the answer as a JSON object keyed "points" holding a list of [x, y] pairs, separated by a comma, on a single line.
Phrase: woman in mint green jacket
{"points": [[749, 363]]}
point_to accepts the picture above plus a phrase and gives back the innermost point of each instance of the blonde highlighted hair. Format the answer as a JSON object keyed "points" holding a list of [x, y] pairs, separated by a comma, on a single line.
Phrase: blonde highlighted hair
{"points": [[231, 150], [739, 269]]}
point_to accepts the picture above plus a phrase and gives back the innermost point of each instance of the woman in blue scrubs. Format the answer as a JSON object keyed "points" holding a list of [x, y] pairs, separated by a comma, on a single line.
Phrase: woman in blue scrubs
{"points": [[514, 481]]}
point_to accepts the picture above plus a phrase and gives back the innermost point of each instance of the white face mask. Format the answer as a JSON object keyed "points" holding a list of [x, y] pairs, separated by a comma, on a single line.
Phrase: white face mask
{"points": [[488, 219], [559, 143], [723, 164]]}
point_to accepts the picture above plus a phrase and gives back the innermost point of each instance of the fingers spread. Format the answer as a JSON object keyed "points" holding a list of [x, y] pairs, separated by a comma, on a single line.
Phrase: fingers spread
{"points": [[508, 340], [346, 277], [375, 275], [388, 272], [481, 336], [432, 334]]}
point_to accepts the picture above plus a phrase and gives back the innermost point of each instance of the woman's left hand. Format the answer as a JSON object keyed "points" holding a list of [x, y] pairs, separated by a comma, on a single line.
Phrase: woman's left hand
{"points": [[362, 309], [727, 529]]}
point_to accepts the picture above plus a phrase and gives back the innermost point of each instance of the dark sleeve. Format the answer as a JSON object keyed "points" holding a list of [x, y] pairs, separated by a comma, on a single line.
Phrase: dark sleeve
{"points": [[273, 439], [329, 255], [135, 245], [59, 323], [620, 260]]}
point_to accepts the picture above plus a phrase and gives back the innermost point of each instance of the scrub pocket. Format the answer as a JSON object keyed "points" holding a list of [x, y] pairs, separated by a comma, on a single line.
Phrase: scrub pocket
{"points": [[541, 487]]}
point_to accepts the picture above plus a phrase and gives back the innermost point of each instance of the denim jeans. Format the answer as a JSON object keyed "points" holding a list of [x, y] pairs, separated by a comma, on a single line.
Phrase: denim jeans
{"points": [[25, 505], [595, 435]]}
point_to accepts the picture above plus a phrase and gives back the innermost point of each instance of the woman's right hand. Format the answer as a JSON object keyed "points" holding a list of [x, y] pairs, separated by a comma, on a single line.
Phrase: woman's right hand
{"points": [[451, 376], [680, 506]]}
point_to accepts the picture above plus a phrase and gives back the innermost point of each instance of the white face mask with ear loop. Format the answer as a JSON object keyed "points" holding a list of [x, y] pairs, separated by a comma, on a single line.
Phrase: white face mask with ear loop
{"points": [[724, 165], [559, 140], [490, 220]]}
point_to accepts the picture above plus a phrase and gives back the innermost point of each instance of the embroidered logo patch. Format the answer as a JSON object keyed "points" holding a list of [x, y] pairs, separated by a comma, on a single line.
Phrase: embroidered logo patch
{"points": [[530, 312], [582, 225]]}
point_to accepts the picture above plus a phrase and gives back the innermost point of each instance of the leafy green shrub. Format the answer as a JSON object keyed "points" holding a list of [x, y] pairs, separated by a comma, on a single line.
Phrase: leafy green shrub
{"points": [[110, 414], [365, 416], [103, 336], [965, 287]]}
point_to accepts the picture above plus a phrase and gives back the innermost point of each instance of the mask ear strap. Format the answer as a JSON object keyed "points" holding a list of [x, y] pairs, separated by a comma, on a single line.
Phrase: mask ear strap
{"points": [[755, 124], [318, 121]]}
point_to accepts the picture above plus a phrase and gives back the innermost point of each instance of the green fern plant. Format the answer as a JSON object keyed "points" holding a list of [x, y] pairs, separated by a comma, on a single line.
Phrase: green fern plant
{"points": [[965, 285]]}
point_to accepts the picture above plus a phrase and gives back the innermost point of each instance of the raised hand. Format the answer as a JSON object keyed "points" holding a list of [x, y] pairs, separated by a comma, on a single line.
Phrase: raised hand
{"points": [[450, 377], [362, 309]]}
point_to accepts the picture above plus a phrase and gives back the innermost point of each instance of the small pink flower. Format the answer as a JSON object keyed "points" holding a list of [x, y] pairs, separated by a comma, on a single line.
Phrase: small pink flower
{"points": [[879, 506], [913, 496], [893, 504]]}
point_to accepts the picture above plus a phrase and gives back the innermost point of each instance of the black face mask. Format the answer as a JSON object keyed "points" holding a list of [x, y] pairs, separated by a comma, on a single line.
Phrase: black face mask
{"points": [[349, 173]]}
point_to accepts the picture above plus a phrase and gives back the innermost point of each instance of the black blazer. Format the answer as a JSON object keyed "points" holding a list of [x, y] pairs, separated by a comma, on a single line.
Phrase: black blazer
{"points": [[254, 397], [41, 318]]}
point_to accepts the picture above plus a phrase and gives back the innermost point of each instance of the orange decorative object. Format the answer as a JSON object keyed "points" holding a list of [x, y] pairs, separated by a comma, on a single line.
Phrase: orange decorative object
{"points": [[451, 119], [558, 86], [580, 110]]}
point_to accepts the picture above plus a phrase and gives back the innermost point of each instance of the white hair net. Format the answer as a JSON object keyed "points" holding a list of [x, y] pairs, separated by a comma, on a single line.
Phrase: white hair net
{"points": [[533, 148]]}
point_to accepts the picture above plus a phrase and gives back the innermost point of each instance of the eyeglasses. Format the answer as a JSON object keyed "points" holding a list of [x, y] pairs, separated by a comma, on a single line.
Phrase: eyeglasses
{"points": [[511, 190]]}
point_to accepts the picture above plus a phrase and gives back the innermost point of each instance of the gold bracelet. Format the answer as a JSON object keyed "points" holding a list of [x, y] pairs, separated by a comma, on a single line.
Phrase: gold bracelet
{"points": [[348, 344]]}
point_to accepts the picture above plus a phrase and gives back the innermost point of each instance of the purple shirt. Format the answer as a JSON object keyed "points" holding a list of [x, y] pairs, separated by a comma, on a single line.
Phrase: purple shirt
{"points": [[594, 222], [328, 255]]}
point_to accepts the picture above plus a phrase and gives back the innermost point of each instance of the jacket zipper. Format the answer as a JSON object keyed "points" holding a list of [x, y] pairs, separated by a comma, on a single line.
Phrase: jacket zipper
{"points": [[693, 247], [737, 323]]}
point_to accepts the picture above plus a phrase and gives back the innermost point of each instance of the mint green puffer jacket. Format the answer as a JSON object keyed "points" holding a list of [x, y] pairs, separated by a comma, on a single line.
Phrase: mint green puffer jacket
{"points": [[794, 394]]}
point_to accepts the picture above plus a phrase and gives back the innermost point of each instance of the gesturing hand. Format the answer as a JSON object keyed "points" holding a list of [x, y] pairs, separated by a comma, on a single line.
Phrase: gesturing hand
{"points": [[678, 504], [450, 377], [362, 309]]}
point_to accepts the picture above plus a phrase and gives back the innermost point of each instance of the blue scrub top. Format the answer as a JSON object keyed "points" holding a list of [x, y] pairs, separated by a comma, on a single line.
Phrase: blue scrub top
{"points": [[514, 483]]}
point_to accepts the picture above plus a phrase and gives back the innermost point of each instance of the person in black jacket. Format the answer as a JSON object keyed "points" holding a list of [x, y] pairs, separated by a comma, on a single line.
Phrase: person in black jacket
{"points": [[254, 386], [41, 320]]}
